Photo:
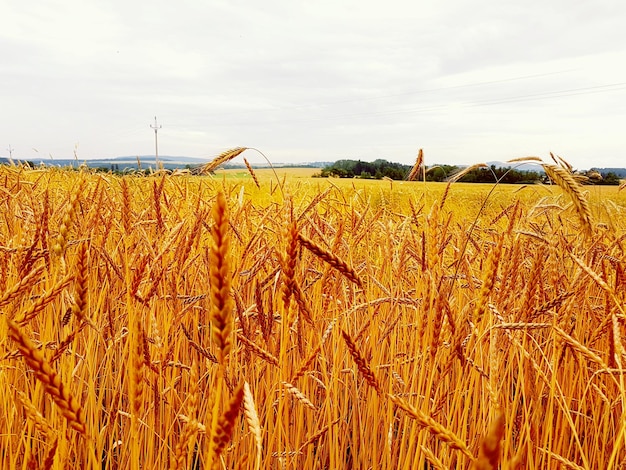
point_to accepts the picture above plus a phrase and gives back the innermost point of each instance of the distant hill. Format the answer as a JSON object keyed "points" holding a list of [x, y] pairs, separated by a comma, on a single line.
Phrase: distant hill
{"points": [[148, 161]]}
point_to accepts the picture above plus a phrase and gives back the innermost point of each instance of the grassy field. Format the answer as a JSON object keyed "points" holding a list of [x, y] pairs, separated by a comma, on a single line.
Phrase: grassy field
{"points": [[304, 323]]}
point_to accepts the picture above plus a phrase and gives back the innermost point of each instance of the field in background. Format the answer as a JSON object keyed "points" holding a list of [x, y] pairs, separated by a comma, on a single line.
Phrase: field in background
{"points": [[308, 323]]}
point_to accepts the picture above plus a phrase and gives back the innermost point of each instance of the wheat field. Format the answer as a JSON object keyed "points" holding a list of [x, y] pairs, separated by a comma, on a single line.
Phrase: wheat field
{"points": [[180, 321]]}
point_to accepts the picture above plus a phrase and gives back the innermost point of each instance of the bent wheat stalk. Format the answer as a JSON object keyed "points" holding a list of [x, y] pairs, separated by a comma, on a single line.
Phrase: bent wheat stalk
{"points": [[564, 179], [331, 259], [58, 391], [221, 159]]}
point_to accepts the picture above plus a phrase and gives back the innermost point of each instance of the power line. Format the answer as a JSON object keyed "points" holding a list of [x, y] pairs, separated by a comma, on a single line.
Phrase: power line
{"points": [[325, 104], [476, 103]]}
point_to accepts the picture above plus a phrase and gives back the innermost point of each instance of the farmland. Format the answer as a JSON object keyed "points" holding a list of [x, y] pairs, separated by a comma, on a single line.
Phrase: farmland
{"points": [[227, 321]]}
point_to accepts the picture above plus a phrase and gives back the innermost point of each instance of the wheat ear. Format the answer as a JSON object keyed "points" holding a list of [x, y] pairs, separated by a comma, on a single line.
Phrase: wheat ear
{"points": [[362, 363], [31, 312], [331, 259], [221, 159], [252, 418], [226, 424], [573, 189], [191, 427], [488, 281], [126, 206], [289, 265], [33, 413], [58, 391], [433, 459], [219, 271], [49, 461], [258, 350], [64, 229], [414, 173], [437, 430], [21, 285], [490, 447], [296, 393], [80, 298], [252, 173]]}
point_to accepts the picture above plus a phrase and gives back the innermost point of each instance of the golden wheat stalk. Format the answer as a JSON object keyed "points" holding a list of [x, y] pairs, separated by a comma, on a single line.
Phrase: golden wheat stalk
{"points": [[298, 395], [565, 180], [31, 312], [181, 451], [157, 190], [318, 435], [490, 448], [362, 363], [66, 224], [414, 173], [80, 298], [460, 174], [49, 460], [258, 350], [58, 391], [126, 206], [581, 348], [289, 264], [221, 159], [562, 460], [525, 159], [192, 427], [226, 425], [20, 286], [433, 427], [252, 418], [488, 281], [252, 173], [303, 305], [136, 360], [331, 259], [35, 415], [219, 272], [433, 459], [313, 354]]}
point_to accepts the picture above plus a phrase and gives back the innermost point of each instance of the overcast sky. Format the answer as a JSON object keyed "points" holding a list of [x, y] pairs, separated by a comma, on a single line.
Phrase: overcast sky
{"points": [[467, 81]]}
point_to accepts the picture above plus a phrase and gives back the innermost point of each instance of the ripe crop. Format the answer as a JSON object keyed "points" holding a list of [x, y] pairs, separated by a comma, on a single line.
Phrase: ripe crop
{"points": [[182, 321]]}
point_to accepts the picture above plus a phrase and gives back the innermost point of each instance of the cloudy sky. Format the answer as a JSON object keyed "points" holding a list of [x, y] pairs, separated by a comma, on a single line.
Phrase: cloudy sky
{"points": [[467, 81]]}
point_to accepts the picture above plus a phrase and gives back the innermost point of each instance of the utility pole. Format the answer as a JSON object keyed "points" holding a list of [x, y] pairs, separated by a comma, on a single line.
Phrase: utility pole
{"points": [[156, 128], [10, 149]]}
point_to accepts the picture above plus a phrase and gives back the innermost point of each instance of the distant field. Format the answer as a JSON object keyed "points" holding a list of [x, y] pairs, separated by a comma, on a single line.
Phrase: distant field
{"points": [[307, 323], [265, 173]]}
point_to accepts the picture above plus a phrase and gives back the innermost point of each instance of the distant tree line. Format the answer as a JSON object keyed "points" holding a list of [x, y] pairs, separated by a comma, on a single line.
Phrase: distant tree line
{"points": [[506, 175], [380, 168], [377, 169]]}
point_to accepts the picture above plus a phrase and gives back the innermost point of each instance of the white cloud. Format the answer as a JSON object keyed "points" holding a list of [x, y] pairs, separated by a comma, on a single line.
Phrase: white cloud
{"points": [[468, 81]]}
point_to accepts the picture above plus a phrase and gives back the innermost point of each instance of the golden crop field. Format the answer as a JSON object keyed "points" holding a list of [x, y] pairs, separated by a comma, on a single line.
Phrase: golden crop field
{"points": [[179, 321]]}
